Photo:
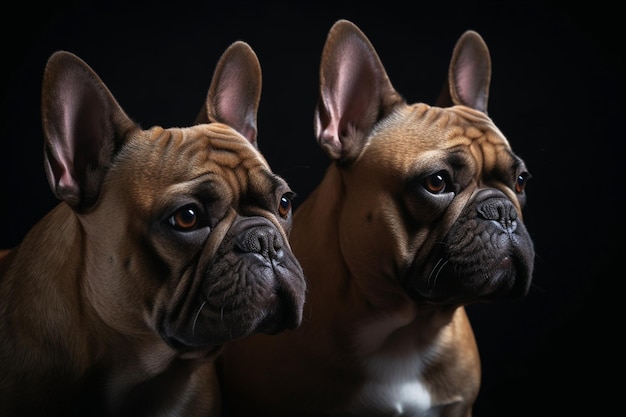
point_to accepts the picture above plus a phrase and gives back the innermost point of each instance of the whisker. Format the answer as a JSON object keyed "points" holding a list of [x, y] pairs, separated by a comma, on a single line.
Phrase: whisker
{"points": [[439, 271], [195, 320], [434, 269]]}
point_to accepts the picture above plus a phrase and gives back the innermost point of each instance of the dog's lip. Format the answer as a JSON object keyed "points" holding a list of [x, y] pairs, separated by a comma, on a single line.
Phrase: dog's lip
{"points": [[285, 314], [506, 262], [277, 310], [496, 282]]}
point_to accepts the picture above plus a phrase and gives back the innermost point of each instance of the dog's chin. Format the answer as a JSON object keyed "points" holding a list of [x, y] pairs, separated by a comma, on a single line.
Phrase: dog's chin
{"points": [[277, 320], [201, 346], [273, 314], [445, 282], [212, 325]]}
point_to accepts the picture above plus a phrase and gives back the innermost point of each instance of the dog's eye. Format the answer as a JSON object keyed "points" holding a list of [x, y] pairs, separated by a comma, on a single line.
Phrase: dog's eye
{"points": [[284, 205], [185, 218], [435, 183], [521, 181]]}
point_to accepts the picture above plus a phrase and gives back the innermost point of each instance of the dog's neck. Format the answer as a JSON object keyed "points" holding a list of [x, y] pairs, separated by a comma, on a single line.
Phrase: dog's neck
{"points": [[383, 315], [378, 333], [51, 294], [60, 235]]}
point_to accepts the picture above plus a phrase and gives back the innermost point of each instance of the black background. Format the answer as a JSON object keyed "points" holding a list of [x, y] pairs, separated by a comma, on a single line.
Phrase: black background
{"points": [[556, 93]]}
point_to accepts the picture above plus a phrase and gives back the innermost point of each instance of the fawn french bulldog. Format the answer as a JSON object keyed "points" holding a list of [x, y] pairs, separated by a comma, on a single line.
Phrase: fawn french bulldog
{"points": [[418, 215], [168, 243]]}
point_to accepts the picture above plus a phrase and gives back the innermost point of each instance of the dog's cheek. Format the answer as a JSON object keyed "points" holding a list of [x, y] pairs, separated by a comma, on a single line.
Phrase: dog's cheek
{"points": [[363, 227]]}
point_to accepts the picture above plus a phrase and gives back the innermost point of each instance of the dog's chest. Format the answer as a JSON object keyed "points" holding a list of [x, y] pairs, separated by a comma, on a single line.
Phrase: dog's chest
{"points": [[394, 387], [393, 365]]}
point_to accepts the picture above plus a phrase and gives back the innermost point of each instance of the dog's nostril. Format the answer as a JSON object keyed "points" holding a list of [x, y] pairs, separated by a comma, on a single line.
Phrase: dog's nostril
{"points": [[500, 211], [262, 240], [252, 240], [497, 210]]}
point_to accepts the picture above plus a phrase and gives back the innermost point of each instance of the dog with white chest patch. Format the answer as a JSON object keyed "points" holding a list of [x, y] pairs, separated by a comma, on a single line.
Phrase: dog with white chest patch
{"points": [[419, 215], [167, 244]]}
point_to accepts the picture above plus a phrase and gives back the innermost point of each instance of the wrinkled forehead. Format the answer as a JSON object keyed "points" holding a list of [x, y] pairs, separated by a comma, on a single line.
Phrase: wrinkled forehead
{"points": [[184, 151], [422, 129], [160, 158]]}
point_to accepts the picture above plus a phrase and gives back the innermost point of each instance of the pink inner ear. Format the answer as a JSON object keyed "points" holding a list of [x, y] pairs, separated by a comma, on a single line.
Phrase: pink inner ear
{"points": [[349, 97], [59, 174], [80, 120], [232, 111], [472, 76], [234, 94], [467, 83], [464, 79], [229, 109], [357, 87], [65, 180]]}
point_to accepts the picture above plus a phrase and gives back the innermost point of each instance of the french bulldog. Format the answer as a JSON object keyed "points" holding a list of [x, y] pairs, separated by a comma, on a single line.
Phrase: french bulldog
{"points": [[167, 244], [418, 215]]}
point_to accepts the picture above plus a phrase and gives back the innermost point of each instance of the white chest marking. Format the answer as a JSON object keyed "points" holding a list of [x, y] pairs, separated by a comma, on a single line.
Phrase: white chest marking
{"points": [[393, 388], [393, 366]]}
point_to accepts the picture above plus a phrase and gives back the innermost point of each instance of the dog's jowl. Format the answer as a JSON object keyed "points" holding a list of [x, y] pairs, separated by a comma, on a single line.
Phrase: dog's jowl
{"points": [[418, 215], [167, 244]]}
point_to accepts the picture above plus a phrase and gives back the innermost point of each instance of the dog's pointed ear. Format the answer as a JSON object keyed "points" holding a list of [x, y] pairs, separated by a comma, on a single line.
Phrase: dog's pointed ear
{"points": [[355, 92], [235, 91], [83, 125], [469, 74]]}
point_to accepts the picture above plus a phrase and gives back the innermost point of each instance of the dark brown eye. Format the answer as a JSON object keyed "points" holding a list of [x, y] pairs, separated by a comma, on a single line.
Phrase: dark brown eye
{"points": [[284, 205], [184, 218], [435, 183], [521, 181]]}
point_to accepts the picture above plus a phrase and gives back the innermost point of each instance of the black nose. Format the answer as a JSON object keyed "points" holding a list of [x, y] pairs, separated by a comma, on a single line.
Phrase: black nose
{"points": [[500, 211], [262, 240]]}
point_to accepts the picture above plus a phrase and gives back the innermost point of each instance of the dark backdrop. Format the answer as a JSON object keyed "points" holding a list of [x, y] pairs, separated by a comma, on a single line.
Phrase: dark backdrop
{"points": [[556, 94]]}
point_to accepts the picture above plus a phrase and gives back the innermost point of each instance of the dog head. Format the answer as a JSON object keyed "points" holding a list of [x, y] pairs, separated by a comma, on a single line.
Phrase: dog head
{"points": [[185, 229], [432, 195]]}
